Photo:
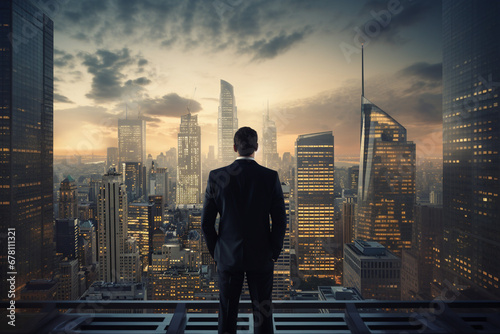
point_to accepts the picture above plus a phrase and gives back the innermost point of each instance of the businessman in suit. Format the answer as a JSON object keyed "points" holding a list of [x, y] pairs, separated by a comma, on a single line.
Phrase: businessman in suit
{"points": [[244, 194]]}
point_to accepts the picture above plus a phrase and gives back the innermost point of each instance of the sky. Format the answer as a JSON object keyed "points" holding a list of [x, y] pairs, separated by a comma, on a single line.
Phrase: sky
{"points": [[153, 59]]}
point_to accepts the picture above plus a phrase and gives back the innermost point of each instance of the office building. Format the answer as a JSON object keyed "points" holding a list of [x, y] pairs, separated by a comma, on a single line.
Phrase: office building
{"points": [[471, 141], [188, 189], [134, 179], [372, 269], [131, 141], [68, 201], [269, 149], [26, 139], [89, 234], [227, 123], [386, 184], [420, 263], [118, 260], [159, 183], [112, 158], [39, 289], [68, 285], [142, 220], [348, 219], [314, 184], [67, 233], [352, 178], [282, 276]]}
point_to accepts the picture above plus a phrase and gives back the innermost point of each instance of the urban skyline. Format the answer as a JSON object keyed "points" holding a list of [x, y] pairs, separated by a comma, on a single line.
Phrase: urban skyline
{"points": [[387, 226]]}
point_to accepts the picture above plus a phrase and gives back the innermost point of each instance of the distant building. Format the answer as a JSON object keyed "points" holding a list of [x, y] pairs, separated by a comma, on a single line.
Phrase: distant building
{"points": [[134, 179], [352, 178], [227, 123], [131, 141], [189, 161], [282, 275], [68, 201], [270, 157], [67, 233], [68, 285], [115, 291], [89, 234], [112, 158], [373, 270], [314, 186], [348, 219], [142, 220]]}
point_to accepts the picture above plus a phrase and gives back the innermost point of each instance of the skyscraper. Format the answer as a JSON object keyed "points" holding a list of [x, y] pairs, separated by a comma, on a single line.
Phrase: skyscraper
{"points": [[227, 123], [68, 201], [386, 184], [117, 262], [134, 178], [189, 161], [270, 157], [131, 141], [471, 140], [26, 144], [282, 279], [314, 186]]}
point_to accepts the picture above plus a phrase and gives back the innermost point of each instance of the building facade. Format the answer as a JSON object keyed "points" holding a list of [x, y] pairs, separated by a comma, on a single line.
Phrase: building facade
{"points": [[270, 157], [131, 141], [188, 189], [26, 139], [372, 269], [471, 140], [314, 184], [68, 201], [386, 184], [227, 123]]}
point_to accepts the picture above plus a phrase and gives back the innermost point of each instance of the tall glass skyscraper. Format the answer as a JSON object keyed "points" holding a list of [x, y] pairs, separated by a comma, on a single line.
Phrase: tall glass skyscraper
{"points": [[386, 183], [227, 123], [314, 188], [471, 140], [132, 141], [270, 157], [188, 190], [26, 139]]}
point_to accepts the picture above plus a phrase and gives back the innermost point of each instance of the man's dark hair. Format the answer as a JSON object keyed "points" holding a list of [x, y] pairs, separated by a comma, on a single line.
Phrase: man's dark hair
{"points": [[245, 140]]}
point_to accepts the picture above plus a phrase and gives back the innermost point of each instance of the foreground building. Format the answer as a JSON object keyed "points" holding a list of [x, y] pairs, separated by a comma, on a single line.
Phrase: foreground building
{"points": [[26, 139], [471, 141]]}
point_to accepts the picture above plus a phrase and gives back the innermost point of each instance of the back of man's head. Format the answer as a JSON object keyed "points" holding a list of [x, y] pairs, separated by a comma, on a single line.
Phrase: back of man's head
{"points": [[245, 141]]}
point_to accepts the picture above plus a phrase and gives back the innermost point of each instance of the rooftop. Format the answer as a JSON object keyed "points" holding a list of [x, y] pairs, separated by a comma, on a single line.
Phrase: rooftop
{"points": [[289, 317]]}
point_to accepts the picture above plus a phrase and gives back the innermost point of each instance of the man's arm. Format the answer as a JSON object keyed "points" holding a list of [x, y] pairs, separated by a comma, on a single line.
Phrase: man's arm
{"points": [[208, 216], [278, 216]]}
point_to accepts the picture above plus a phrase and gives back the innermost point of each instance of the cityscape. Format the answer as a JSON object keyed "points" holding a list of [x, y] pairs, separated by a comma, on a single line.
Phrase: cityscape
{"points": [[380, 117]]}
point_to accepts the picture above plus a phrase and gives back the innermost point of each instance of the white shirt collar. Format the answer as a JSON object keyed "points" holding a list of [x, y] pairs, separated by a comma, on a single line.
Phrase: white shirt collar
{"points": [[245, 158]]}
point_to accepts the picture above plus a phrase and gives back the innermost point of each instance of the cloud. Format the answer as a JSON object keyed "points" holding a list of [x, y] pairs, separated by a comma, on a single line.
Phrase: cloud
{"points": [[63, 59], [61, 98], [108, 82], [241, 26], [405, 14], [425, 71], [170, 105], [268, 49]]}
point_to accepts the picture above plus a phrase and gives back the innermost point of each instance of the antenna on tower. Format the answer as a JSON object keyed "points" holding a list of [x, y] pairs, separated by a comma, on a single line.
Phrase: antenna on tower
{"points": [[362, 71]]}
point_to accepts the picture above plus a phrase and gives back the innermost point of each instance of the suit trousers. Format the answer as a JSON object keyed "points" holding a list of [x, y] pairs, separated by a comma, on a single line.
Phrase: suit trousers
{"points": [[260, 284]]}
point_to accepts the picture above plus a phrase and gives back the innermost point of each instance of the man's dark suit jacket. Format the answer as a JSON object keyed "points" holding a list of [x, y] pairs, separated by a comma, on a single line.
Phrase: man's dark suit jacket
{"points": [[244, 194]]}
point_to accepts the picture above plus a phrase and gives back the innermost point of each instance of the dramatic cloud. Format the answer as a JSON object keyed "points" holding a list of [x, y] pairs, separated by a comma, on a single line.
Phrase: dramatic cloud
{"points": [[170, 105], [268, 49], [108, 79], [425, 71]]}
